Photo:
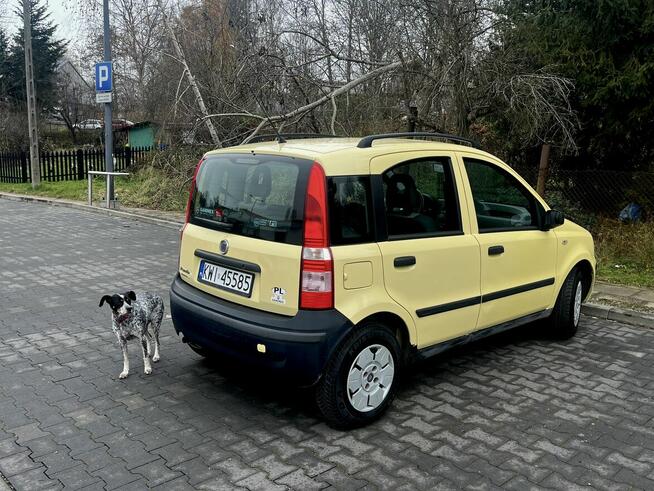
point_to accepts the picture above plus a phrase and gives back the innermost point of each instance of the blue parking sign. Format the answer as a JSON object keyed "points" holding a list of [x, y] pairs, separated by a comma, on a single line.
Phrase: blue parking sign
{"points": [[103, 77]]}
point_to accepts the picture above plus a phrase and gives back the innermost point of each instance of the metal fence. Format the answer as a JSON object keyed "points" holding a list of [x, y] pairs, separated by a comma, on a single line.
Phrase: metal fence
{"points": [[587, 194], [65, 165]]}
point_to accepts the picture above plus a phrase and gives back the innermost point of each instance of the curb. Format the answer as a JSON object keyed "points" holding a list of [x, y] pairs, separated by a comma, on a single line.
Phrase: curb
{"points": [[5, 485], [93, 209], [631, 317]]}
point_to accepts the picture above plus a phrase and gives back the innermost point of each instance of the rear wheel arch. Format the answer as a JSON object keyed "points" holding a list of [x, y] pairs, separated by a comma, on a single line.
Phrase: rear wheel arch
{"points": [[395, 322]]}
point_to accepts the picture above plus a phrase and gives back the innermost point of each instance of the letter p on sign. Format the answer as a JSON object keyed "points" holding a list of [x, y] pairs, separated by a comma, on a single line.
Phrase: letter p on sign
{"points": [[103, 77]]}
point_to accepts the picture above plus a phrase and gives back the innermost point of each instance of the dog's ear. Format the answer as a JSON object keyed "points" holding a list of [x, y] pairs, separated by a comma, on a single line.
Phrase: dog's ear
{"points": [[131, 295], [106, 298]]}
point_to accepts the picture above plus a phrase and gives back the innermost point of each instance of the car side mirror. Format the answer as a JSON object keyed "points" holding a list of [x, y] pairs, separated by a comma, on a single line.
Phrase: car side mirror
{"points": [[553, 218]]}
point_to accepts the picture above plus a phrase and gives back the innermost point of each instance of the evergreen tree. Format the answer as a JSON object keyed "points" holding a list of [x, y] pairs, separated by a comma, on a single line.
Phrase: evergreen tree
{"points": [[607, 48], [4, 68], [46, 55]]}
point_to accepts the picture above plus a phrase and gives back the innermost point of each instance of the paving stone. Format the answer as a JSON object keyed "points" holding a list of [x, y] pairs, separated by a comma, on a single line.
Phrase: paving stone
{"points": [[259, 481], [179, 484], [115, 475], [77, 478], [299, 480], [34, 479], [196, 470], [175, 454], [28, 432], [17, 463], [9, 447], [156, 472]]}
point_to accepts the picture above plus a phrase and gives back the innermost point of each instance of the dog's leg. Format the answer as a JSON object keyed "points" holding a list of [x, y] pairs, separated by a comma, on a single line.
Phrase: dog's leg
{"points": [[156, 325], [148, 338], [156, 356], [146, 356], [123, 347]]}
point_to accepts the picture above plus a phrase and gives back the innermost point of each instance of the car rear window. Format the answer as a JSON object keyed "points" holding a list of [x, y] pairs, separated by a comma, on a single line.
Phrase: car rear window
{"points": [[258, 196]]}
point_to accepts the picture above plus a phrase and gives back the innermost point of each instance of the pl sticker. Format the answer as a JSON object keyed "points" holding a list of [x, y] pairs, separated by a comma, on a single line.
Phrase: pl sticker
{"points": [[278, 295]]}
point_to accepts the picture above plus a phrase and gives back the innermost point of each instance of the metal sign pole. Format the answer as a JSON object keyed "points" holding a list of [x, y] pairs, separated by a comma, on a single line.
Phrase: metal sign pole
{"points": [[108, 128]]}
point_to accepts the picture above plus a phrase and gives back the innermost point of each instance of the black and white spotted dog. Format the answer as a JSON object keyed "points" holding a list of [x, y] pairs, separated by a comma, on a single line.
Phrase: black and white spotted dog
{"points": [[132, 314]]}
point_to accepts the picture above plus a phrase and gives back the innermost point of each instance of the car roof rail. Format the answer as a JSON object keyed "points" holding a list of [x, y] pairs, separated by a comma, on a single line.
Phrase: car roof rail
{"points": [[366, 141], [282, 137]]}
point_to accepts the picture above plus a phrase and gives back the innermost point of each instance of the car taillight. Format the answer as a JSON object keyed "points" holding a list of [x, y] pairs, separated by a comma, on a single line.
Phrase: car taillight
{"points": [[317, 275]]}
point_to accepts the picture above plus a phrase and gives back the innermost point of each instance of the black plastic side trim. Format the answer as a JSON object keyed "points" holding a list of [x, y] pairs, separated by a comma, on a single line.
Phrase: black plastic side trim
{"points": [[517, 289], [228, 261], [475, 336], [467, 302], [446, 307]]}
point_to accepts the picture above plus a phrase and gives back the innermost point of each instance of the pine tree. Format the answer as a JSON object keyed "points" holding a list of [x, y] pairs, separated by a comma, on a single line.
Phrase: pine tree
{"points": [[4, 68], [46, 55]]}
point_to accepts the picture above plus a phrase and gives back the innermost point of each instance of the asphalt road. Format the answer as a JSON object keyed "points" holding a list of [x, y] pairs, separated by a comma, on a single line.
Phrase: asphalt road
{"points": [[517, 411]]}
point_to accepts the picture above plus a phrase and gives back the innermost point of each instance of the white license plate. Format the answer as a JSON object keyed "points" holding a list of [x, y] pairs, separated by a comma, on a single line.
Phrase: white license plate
{"points": [[226, 278]]}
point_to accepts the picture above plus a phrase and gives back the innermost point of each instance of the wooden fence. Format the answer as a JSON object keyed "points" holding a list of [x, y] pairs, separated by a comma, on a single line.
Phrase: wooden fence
{"points": [[65, 165]]}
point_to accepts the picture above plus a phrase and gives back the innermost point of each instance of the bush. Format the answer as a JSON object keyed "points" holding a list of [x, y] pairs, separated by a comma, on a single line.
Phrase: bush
{"points": [[161, 181]]}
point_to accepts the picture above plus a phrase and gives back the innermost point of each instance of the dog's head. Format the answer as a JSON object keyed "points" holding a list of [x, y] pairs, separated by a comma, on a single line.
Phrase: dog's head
{"points": [[121, 304]]}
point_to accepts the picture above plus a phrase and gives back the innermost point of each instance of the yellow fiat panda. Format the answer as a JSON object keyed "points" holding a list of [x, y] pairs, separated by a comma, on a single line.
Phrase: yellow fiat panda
{"points": [[336, 261]]}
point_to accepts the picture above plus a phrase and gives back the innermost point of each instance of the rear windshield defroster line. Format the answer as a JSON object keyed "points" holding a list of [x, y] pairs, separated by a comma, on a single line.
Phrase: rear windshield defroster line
{"points": [[259, 196]]}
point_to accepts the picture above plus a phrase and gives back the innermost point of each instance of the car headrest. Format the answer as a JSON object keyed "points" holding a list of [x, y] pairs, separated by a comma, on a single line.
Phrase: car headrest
{"points": [[402, 194], [260, 182]]}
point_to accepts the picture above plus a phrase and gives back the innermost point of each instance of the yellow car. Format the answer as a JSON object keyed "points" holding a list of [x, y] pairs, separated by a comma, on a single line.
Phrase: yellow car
{"points": [[335, 262]]}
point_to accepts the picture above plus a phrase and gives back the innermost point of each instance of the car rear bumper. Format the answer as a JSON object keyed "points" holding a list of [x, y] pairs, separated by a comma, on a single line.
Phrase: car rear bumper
{"points": [[297, 347]]}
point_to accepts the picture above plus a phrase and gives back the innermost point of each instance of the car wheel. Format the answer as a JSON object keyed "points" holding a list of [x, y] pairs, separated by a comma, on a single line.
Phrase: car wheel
{"points": [[361, 378], [567, 310], [199, 350]]}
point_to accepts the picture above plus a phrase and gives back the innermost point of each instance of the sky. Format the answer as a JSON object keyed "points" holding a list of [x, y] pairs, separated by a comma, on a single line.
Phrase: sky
{"points": [[62, 14]]}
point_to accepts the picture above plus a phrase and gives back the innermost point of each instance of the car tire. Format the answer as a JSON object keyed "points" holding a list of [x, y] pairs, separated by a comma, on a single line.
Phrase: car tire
{"points": [[200, 350], [349, 395], [564, 320]]}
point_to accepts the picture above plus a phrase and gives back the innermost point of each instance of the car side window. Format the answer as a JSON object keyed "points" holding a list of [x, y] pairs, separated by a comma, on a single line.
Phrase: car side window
{"points": [[420, 199], [350, 213], [501, 201]]}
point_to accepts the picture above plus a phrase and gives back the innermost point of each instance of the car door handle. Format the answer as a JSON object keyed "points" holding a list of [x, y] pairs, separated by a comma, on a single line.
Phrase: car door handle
{"points": [[401, 262], [495, 250]]}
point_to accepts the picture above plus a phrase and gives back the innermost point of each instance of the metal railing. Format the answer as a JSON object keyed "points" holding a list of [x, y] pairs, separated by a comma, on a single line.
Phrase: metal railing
{"points": [[107, 174]]}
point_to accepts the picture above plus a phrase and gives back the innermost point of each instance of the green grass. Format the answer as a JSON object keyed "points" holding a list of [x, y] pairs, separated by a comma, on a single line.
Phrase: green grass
{"points": [[145, 189], [625, 252], [73, 190]]}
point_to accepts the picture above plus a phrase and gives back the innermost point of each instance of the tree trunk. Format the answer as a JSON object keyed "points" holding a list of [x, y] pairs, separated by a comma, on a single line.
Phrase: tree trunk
{"points": [[191, 78]]}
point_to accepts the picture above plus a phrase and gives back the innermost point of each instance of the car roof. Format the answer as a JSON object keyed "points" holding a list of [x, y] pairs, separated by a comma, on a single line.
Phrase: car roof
{"points": [[340, 156]]}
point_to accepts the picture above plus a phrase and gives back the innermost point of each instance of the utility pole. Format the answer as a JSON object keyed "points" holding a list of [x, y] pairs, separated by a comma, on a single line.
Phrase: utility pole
{"points": [[31, 95], [108, 128]]}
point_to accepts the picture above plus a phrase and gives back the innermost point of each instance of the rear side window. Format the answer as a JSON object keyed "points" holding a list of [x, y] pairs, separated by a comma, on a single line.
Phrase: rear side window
{"points": [[257, 196], [350, 210], [421, 199]]}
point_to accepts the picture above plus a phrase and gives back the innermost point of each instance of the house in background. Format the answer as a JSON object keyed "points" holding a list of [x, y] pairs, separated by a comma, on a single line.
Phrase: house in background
{"points": [[148, 134], [143, 134]]}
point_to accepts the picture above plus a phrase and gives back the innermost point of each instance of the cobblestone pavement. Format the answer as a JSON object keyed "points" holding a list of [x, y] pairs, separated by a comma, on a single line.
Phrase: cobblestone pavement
{"points": [[517, 411]]}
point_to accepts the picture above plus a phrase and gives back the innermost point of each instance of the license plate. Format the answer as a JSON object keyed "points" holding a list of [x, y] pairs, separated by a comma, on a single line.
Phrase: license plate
{"points": [[226, 278]]}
